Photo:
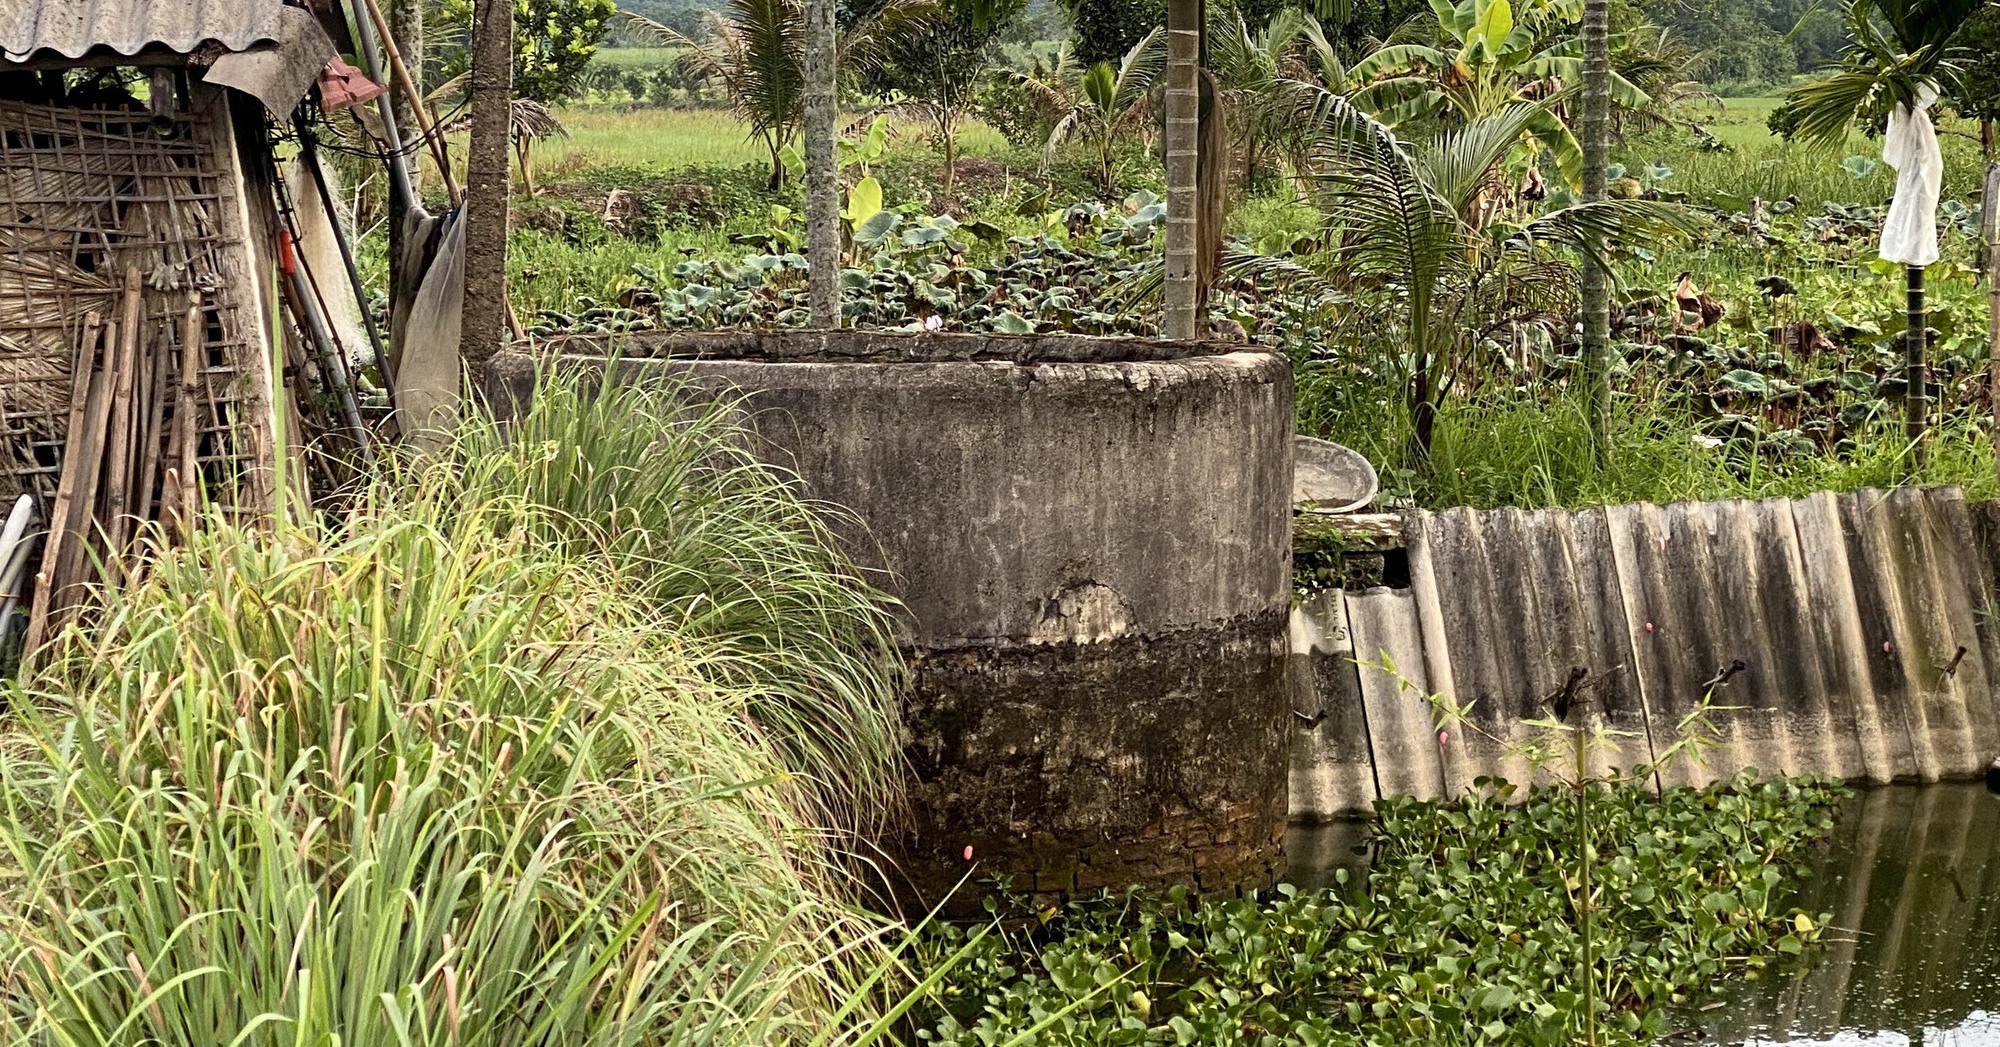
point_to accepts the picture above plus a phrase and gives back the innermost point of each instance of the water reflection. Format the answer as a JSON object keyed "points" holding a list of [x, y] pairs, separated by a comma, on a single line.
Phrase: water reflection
{"points": [[1912, 878]]}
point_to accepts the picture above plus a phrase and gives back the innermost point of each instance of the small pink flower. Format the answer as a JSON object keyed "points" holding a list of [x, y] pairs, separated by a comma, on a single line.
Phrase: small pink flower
{"points": [[1649, 627], [1444, 737], [1888, 648], [934, 323], [968, 852]]}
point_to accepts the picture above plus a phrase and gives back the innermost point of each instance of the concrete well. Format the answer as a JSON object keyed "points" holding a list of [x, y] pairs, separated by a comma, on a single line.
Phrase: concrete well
{"points": [[1091, 537]]}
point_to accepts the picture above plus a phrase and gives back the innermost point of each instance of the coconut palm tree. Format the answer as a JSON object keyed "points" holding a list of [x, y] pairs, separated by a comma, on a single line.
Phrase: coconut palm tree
{"points": [[1183, 164], [1426, 228], [820, 83], [1248, 67], [1595, 128], [1099, 104], [1485, 56], [1898, 59]]}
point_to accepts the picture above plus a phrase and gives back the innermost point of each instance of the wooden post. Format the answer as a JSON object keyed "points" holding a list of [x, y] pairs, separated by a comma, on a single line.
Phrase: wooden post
{"points": [[822, 169], [1183, 158], [484, 321]]}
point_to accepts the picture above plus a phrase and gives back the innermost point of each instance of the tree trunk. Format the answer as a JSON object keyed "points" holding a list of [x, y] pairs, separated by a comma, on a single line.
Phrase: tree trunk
{"points": [[524, 149], [1596, 290], [406, 21], [822, 169], [1183, 155], [1916, 399], [485, 317], [948, 142], [1990, 230]]}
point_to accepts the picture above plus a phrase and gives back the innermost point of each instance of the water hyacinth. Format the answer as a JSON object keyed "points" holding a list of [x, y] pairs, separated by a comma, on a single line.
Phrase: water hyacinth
{"points": [[467, 764]]}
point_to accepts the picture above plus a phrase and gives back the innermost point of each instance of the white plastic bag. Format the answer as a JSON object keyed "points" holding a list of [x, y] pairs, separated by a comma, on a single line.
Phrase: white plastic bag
{"points": [[1909, 234]]}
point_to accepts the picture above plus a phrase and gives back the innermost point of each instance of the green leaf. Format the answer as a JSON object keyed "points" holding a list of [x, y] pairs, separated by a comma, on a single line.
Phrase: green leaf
{"points": [[875, 231], [864, 201], [1011, 322], [1491, 25]]}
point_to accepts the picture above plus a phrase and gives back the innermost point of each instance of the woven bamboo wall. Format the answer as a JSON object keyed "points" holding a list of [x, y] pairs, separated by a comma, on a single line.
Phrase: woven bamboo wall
{"points": [[83, 195]]}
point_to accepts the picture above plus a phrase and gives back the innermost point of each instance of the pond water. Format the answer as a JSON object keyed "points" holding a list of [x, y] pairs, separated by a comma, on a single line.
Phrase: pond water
{"points": [[1912, 878]]}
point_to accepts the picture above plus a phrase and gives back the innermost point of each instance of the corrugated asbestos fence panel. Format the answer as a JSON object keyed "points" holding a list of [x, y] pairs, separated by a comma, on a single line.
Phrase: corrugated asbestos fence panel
{"points": [[1881, 747], [1384, 625], [1333, 773], [1866, 625], [1916, 615]]}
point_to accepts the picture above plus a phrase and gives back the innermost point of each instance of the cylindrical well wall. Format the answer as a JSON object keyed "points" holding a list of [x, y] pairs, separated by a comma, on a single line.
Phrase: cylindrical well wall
{"points": [[1094, 556]]}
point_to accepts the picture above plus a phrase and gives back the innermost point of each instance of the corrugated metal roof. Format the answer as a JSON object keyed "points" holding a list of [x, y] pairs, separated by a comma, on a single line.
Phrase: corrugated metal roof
{"points": [[73, 28]]}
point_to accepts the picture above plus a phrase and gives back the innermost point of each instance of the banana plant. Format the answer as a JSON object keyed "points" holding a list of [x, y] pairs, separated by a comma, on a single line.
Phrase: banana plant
{"points": [[1487, 56]]}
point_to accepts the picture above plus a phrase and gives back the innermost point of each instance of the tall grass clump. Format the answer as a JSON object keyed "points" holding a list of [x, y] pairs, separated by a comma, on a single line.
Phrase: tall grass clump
{"points": [[462, 766]]}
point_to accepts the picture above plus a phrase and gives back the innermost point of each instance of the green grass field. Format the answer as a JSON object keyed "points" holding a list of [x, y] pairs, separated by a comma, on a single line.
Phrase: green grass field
{"points": [[671, 138], [637, 57], [645, 137]]}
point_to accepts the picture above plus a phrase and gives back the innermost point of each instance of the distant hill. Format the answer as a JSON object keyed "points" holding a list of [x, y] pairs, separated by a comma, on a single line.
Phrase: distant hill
{"points": [[682, 15]]}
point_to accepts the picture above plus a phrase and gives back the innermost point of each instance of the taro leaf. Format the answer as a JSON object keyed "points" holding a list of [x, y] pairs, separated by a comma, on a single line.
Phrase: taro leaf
{"points": [[1861, 166], [1747, 382], [985, 230], [1011, 322], [854, 279], [1613, 172], [923, 235], [1151, 214], [1141, 200], [1856, 415], [875, 231], [1657, 171]]}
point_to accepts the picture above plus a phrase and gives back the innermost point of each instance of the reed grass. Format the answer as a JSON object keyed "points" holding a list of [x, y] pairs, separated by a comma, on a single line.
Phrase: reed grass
{"points": [[532, 744]]}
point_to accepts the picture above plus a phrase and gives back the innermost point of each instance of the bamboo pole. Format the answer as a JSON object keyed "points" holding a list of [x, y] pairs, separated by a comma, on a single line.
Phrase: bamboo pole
{"points": [[432, 136], [159, 385], [175, 506], [119, 432], [82, 377], [86, 447]]}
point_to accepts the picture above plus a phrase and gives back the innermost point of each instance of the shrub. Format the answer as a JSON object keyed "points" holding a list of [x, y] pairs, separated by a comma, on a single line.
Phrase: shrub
{"points": [[533, 745]]}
